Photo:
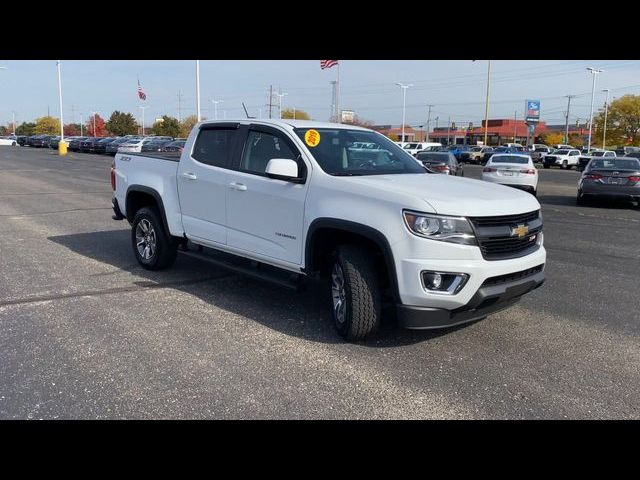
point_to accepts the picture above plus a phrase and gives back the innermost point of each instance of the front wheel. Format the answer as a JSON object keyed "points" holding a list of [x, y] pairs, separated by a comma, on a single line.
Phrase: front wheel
{"points": [[355, 293], [152, 245], [564, 165]]}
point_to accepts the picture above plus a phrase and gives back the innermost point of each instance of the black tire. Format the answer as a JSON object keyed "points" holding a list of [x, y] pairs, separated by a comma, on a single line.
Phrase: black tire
{"points": [[361, 295], [581, 200], [565, 165], [547, 166], [166, 248]]}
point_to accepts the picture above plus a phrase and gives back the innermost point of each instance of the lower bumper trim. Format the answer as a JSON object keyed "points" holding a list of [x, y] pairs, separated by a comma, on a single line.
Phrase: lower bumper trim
{"points": [[486, 301]]}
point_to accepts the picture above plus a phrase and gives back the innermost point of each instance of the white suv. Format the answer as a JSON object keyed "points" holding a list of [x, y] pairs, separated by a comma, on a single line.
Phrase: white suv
{"points": [[564, 158]]}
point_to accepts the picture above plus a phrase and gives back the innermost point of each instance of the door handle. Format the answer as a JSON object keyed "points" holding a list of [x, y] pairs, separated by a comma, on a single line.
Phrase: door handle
{"points": [[238, 186], [190, 176]]}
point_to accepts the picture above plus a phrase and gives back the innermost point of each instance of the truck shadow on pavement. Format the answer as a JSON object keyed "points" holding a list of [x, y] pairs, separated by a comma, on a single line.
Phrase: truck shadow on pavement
{"points": [[305, 315], [570, 201]]}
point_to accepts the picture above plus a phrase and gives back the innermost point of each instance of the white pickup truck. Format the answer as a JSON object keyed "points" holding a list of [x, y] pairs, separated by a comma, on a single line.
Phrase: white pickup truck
{"points": [[291, 199]]}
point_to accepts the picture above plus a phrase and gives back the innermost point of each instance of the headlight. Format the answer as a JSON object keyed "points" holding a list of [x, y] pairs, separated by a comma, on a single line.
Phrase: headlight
{"points": [[438, 227]]}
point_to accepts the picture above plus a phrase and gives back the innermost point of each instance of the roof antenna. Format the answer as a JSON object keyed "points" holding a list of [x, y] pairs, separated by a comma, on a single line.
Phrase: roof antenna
{"points": [[245, 111]]}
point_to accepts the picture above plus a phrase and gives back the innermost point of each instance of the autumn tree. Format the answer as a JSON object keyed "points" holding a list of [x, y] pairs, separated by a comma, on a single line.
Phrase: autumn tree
{"points": [[168, 126], [577, 140], [95, 126], [187, 125], [122, 124], [26, 128], [295, 114], [71, 129], [623, 122], [552, 138], [47, 126], [4, 130]]}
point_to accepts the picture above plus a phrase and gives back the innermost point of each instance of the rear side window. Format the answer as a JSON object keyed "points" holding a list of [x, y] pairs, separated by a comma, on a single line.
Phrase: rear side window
{"points": [[215, 146]]}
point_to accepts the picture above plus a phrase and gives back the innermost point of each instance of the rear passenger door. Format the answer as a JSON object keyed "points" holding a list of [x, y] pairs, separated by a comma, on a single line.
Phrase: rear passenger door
{"points": [[203, 182], [265, 216]]}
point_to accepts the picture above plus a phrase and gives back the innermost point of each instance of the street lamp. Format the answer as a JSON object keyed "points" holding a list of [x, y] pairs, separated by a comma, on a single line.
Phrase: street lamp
{"points": [[280, 95], [606, 111], [404, 88], [594, 72], [486, 106], [215, 107], [94, 123], [62, 150]]}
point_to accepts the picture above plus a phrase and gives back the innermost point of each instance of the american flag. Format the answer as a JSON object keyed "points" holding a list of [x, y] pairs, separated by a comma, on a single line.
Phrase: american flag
{"points": [[141, 93], [327, 63]]}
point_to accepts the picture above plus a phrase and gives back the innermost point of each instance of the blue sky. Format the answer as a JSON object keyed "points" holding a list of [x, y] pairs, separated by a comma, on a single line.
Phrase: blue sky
{"points": [[456, 88]]}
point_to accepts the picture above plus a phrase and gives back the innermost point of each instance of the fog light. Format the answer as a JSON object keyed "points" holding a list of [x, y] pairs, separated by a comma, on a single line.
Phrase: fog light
{"points": [[443, 282]]}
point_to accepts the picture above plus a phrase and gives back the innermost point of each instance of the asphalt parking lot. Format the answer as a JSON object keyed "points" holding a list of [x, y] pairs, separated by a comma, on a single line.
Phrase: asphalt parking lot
{"points": [[86, 333]]}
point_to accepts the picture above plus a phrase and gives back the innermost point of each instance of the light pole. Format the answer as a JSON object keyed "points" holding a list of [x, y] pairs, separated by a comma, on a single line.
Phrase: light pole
{"points": [[404, 104], [566, 125], [61, 150], [13, 120], [197, 88], [594, 72], [94, 124], [142, 108], [428, 122], [280, 95], [81, 125], [215, 107], [606, 111], [486, 107]]}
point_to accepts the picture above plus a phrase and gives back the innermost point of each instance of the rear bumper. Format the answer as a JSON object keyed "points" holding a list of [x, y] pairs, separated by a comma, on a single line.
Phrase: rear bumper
{"points": [[487, 300], [117, 213]]}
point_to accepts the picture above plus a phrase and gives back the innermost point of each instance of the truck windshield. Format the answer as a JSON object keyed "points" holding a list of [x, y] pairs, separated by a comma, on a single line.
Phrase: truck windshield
{"points": [[339, 152]]}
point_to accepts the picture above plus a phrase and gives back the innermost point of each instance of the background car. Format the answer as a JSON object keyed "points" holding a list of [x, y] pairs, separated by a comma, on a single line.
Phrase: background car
{"points": [[475, 154], [12, 142], [74, 144], [40, 141], [512, 170], [441, 162], [134, 145], [583, 160], [632, 155], [487, 155], [537, 151], [88, 145], [415, 147], [457, 150], [155, 145], [112, 147], [563, 158], [175, 146], [101, 145], [614, 178], [22, 140]]}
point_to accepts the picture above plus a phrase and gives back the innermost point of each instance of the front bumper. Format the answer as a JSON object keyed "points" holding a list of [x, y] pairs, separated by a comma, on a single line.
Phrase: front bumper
{"points": [[489, 298]]}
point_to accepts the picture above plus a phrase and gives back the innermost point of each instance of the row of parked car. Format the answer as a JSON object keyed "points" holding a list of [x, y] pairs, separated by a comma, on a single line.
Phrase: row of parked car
{"points": [[105, 145]]}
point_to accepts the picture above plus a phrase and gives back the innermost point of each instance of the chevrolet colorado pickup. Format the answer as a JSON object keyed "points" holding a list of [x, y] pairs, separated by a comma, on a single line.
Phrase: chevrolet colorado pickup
{"points": [[300, 198]]}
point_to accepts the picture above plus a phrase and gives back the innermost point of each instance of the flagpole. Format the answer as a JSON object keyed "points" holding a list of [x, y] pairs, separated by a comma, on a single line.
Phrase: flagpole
{"points": [[339, 117]]}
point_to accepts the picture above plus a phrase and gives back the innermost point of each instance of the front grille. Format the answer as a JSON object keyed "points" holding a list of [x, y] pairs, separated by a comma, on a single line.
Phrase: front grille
{"points": [[495, 239], [510, 277]]}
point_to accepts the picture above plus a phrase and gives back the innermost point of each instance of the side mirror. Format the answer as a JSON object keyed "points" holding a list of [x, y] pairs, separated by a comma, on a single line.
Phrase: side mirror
{"points": [[283, 169]]}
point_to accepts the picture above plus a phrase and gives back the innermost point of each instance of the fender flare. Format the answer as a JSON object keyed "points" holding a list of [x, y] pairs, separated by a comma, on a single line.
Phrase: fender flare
{"points": [[157, 198], [358, 228]]}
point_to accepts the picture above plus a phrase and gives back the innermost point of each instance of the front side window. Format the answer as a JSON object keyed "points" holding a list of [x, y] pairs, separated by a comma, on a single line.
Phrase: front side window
{"points": [[262, 147], [334, 151], [214, 146]]}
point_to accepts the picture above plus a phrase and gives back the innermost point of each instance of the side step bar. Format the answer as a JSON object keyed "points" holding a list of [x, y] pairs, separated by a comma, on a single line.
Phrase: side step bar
{"points": [[259, 271]]}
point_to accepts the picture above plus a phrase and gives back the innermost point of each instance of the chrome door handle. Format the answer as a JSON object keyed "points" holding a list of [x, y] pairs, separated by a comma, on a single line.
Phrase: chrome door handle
{"points": [[238, 186], [190, 176]]}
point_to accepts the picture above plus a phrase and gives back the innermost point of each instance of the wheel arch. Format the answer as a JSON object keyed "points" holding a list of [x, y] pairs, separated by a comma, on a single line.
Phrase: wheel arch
{"points": [[326, 233], [139, 196]]}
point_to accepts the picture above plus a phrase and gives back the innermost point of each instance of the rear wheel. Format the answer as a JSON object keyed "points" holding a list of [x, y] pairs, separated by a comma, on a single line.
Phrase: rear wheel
{"points": [[152, 245], [546, 165], [355, 293], [564, 165]]}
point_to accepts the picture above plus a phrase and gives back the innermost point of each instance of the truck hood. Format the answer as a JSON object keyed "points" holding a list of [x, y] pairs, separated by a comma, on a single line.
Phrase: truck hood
{"points": [[449, 195]]}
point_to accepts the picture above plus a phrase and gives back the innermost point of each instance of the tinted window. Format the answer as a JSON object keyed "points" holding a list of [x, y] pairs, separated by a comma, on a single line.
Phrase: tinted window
{"points": [[262, 147], [614, 163], [508, 159], [214, 146]]}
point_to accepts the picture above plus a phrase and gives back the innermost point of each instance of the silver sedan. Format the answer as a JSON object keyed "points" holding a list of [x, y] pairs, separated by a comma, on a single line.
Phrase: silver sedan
{"points": [[614, 178]]}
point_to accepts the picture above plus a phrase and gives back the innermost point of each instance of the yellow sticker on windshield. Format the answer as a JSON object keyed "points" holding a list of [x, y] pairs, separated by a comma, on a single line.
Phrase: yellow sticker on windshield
{"points": [[312, 138]]}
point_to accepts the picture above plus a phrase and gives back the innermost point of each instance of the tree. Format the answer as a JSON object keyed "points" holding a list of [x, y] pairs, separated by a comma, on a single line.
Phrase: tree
{"points": [[552, 138], [71, 129], [47, 125], [299, 114], [4, 130], [393, 137], [187, 125], [577, 140], [623, 122], [95, 126], [122, 124], [26, 128], [169, 126]]}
